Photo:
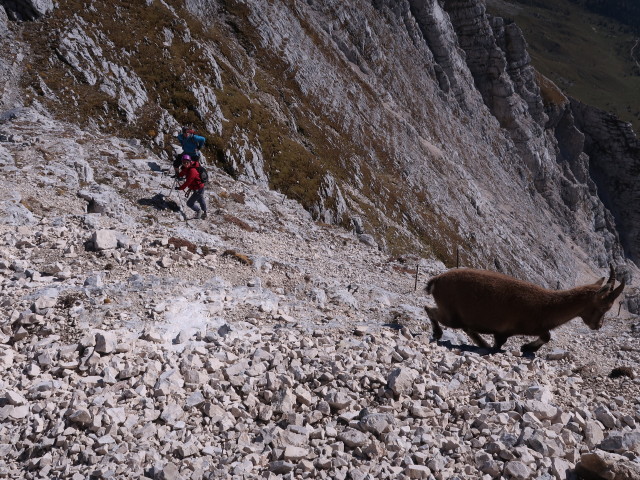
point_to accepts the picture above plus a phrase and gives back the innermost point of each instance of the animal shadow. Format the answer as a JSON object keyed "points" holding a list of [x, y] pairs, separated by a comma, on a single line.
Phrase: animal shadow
{"points": [[394, 326], [476, 349], [159, 202], [464, 347]]}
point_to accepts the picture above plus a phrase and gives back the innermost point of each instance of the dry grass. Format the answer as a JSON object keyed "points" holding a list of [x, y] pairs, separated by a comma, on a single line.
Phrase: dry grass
{"points": [[410, 271], [181, 242], [238, 197], [551, 94], [245, 260], [238, 223]]}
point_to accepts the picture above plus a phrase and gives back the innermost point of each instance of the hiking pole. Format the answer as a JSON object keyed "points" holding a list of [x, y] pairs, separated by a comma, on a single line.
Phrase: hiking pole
{"points": [[164, 188], [182, 210], [171, 189]]}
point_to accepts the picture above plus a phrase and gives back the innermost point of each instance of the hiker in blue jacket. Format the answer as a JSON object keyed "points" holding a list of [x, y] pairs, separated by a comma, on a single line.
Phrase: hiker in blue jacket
{"points": [[191, 145]]}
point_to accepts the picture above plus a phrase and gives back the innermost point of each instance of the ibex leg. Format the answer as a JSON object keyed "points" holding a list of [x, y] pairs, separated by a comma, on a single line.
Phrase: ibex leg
{"points": [[536, 344], [432, 313], [499, 340], [477, 339]]}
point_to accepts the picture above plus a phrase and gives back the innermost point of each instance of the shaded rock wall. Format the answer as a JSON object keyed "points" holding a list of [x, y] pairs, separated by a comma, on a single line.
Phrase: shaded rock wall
{"points": [[614, 153], [541, 126], [10, 64], [27, 9]]}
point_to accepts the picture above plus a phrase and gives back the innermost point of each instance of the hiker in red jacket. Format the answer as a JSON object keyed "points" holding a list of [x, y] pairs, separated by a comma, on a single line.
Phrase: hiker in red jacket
{"points": [[195, 184]]}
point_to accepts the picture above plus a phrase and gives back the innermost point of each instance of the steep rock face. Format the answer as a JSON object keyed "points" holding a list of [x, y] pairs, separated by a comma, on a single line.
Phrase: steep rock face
{"points": [[570, 140], [27, 9], [86, 55], [331, 206], [497, 58], [491, 69], [450, 68], [433, 136], [510, 40], [414, 138], [4, 27], [245, 161], [614, 152], [10, 60], [550, 144]]}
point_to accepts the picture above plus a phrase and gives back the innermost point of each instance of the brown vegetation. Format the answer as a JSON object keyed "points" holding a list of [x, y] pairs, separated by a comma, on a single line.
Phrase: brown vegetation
{"points": [[238, 256], [181, 242]]}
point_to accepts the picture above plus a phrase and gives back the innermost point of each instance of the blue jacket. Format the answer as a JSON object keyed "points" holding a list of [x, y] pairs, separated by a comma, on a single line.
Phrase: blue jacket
{"points": [[191, 144]]}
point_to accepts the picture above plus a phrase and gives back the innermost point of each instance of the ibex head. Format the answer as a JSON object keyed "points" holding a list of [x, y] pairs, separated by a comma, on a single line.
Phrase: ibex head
{"points": [[602, 301]]}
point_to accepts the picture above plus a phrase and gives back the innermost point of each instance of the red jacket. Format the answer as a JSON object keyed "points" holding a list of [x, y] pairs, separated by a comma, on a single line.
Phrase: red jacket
{"points": [[192, 181]]}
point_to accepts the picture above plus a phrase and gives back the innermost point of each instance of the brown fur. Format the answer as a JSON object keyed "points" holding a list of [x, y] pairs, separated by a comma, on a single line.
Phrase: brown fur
{"points": [[484, 302]]}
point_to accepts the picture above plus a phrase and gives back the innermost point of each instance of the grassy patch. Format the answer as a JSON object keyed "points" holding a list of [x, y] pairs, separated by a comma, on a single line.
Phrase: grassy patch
{"points": [[238, 198], [551, 94], [586, 54], [69, 299]]}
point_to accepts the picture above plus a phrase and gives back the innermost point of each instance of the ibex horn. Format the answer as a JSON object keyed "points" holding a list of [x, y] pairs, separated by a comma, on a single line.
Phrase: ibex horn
{"points": [[612, 277], [608, 287]]}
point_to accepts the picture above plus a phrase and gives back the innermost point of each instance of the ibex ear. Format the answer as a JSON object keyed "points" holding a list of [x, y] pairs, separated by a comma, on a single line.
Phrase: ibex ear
{"points": [[605, 289]]}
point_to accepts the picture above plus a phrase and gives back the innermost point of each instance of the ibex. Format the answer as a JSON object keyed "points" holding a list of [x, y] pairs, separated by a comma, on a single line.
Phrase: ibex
{"points": [[479, 301]]}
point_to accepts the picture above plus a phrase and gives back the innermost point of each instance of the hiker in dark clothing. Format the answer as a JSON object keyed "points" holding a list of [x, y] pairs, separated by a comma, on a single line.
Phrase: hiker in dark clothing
{"points": [[194, 183], [191, 145]]}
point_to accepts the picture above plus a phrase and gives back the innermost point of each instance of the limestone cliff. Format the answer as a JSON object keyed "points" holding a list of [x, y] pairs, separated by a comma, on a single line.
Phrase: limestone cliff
{"points": [[614, 152], [420, 121]]}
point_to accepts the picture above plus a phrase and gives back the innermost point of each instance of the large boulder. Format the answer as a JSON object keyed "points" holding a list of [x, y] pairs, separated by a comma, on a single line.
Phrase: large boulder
{"points": [[104, 240]]}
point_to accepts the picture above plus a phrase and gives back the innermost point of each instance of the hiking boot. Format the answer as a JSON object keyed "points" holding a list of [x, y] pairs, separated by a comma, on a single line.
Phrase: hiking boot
{"points": [[204, 216], [198, 215]]}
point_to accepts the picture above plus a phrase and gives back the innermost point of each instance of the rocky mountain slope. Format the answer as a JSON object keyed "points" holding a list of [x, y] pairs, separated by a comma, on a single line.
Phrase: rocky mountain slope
{"points": [[284, 336], [398, 119], [259, 343]]}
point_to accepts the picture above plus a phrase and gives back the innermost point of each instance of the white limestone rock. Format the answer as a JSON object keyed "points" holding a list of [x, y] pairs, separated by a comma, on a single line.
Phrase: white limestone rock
{"points": [[104, 240], [106, 342], [401, 380]]}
